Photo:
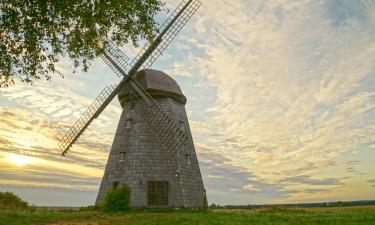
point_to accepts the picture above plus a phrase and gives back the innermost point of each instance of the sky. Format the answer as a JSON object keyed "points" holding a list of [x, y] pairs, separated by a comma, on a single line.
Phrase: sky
{"points": [[281, 103]]}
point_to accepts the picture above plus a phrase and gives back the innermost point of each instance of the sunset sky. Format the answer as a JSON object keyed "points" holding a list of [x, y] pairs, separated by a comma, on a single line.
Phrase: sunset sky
{"points": [[281, 102]]}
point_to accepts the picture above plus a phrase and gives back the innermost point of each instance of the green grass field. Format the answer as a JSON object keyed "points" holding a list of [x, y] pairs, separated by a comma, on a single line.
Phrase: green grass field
{"points": [[339, 216]]}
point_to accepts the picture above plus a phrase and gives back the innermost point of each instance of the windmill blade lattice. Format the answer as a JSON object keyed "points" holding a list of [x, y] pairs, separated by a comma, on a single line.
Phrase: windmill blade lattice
{"points": [[115, 59], [93, 111], [161, 125], [170, 28]]}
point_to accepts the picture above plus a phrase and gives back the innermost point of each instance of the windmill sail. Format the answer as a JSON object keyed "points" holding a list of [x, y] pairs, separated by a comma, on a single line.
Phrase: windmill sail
{"points": [[169, 30], [115, 59], [92, 112], [164, 129], [118, 62]]}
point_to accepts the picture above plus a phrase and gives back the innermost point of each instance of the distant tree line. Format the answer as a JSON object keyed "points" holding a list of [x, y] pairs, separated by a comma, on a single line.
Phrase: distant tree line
{"points": [[300, 205]]}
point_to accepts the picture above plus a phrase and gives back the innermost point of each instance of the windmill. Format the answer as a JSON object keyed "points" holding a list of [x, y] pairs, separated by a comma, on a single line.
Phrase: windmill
{"points": [[153, 151]]}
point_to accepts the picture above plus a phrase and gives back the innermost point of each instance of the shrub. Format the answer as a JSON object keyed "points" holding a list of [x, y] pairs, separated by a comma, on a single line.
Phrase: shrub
{"points": [[117, 199], [8, 200]]}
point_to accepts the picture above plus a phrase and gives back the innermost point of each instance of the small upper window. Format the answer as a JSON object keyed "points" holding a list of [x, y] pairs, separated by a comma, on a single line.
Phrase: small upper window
{"points": [[188, 160], [128, 123], [182, 125], [122, 156]]}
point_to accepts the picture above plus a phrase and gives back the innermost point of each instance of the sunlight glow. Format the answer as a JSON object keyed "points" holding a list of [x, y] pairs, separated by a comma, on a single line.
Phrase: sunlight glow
{"points": [[20, 160]]}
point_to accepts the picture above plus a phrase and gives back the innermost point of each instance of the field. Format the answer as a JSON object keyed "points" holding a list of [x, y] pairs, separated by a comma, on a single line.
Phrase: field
{"points": [[332, 216]]}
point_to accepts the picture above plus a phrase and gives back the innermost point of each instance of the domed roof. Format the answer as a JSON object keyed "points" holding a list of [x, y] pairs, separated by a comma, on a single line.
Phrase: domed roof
{"points": [[158, 84]]}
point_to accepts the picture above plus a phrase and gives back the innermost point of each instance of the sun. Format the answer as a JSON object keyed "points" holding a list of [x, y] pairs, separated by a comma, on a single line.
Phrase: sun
{"points": [[20, 160]]}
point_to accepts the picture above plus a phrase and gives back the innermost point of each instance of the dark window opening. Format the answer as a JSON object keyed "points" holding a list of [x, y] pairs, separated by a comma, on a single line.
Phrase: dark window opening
{"points": [[157, 193], [115, 184]]}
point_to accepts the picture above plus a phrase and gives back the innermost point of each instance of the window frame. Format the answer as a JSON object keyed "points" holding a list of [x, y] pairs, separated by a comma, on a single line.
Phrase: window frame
{"points": [[122, 156], [128, 123], [182, 125], [188, 159]]}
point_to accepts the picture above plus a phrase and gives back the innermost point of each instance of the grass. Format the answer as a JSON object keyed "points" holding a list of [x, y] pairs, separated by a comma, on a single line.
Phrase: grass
{"points": [[333, 216]]}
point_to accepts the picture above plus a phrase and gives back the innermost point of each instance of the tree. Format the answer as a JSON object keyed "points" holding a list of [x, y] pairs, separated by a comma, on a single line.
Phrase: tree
{"points": [[35, 35], [8, 200]]}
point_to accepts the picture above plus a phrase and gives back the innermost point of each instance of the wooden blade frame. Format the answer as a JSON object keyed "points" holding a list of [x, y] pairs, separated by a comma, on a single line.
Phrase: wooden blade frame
{"points": [[161, 125], [92, 112], [117, 61]]}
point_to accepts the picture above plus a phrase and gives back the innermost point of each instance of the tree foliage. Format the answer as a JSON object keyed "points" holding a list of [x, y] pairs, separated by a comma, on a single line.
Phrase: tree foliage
{"points": [[8, 200], [35, 35], [117, 199]]}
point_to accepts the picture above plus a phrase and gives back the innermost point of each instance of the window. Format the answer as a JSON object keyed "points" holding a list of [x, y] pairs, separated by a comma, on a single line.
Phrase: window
{"points": [[122, 156], [115, 184], [182, 125], [128, 123], [188, 160]]}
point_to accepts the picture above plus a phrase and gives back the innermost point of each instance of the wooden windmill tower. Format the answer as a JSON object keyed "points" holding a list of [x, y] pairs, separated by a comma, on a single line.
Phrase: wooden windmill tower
{"points": [[153, 150]]}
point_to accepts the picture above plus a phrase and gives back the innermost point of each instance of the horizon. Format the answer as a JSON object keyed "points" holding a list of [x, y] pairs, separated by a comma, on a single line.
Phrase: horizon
{"points": [[280, 101], [218, 205]]}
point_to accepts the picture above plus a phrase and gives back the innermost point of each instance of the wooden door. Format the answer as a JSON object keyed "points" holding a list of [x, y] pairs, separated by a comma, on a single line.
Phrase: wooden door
{"points": [[157, 193]]}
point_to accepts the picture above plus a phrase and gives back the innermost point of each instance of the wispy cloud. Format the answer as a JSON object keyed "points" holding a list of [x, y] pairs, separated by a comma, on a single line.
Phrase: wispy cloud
{"points": [[294, 86], [372, 182]]}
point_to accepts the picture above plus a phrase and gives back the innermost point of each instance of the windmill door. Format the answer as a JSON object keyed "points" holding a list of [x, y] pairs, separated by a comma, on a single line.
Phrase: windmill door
{"points": [[157, 193]]}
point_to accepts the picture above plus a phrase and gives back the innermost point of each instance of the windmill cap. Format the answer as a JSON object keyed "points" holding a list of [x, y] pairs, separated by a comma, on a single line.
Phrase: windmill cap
{"points": [[157, 83]]}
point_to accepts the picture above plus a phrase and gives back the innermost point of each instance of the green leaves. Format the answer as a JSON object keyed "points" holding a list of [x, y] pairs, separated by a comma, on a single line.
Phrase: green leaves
{"points": [[8, 200], [117, 199], [34, 35]]}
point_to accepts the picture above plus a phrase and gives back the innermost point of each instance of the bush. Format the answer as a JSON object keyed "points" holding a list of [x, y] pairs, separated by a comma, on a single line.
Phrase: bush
{"points": [[8, 200], [117, 199]]}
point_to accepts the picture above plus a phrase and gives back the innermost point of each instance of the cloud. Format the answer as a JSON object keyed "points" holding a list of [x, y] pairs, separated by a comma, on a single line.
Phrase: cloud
{"points": [[294, 86], [251, 187], [33, 124], [227, 183], [304, 179], [372, 182], [352, 167]]}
